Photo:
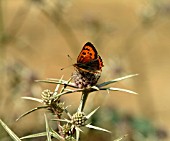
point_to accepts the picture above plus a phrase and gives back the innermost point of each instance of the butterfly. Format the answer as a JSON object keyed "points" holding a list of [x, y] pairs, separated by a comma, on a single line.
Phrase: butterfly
{"points": [[89, 60]]}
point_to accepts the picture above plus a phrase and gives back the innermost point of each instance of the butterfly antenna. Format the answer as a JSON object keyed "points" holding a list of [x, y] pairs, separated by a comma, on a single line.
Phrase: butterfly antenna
{"points": [[66, 67], [69, 57], [69, 65]]}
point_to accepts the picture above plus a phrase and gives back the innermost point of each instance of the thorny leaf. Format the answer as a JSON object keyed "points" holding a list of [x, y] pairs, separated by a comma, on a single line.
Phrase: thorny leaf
{"points": [[119, 139], [33, 99], [63, 82], [47, 128], [116, 80], [30, 111], [42, 134], [9, 131], [90, 114], [119, 89], [97, 128]]}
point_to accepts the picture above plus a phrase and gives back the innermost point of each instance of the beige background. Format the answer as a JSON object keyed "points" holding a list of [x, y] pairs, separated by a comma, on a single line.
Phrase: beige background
{"points": [[130, 35]]}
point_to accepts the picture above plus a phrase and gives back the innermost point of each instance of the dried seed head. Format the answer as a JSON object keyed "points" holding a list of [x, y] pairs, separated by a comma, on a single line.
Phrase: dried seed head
{"points": [[66, 129], [79, 119], [59, 107], [46, 96], [56, 107], [84, 79]]}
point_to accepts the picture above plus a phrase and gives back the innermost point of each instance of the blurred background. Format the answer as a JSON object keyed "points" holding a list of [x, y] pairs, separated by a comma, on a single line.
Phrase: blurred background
{"points": [[36, 37]]}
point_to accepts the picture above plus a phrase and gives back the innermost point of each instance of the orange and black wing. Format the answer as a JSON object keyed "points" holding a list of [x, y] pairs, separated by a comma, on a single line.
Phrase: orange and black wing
{"points": [[89, 60], [87, 54]]}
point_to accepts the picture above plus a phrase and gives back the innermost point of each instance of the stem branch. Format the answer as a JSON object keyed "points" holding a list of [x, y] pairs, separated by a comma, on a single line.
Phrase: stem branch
{"points": [[83, 100]]}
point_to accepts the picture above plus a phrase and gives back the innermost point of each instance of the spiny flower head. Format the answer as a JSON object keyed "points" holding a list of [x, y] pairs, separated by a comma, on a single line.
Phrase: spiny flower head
{"points": [[84, 79], [79, 119]]}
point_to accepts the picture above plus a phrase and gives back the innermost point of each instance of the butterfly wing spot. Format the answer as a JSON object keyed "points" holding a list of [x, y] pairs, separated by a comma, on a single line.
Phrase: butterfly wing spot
{"points": [[83, 53], [87, 49]]}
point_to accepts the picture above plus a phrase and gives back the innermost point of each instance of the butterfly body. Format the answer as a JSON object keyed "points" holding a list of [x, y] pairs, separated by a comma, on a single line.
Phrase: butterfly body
{"points": [[89, 60]]}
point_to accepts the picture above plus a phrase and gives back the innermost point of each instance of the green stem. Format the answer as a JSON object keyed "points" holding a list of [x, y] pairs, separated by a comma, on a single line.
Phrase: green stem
{"points": [[83, 100]]}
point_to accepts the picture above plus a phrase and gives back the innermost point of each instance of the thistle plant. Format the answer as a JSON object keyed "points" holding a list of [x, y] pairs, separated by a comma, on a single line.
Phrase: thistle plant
{"points": [[69, 124]]}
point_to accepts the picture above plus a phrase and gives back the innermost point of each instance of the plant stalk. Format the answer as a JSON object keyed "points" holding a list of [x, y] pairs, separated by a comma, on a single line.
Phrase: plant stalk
{"points": [[83, 100]]}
